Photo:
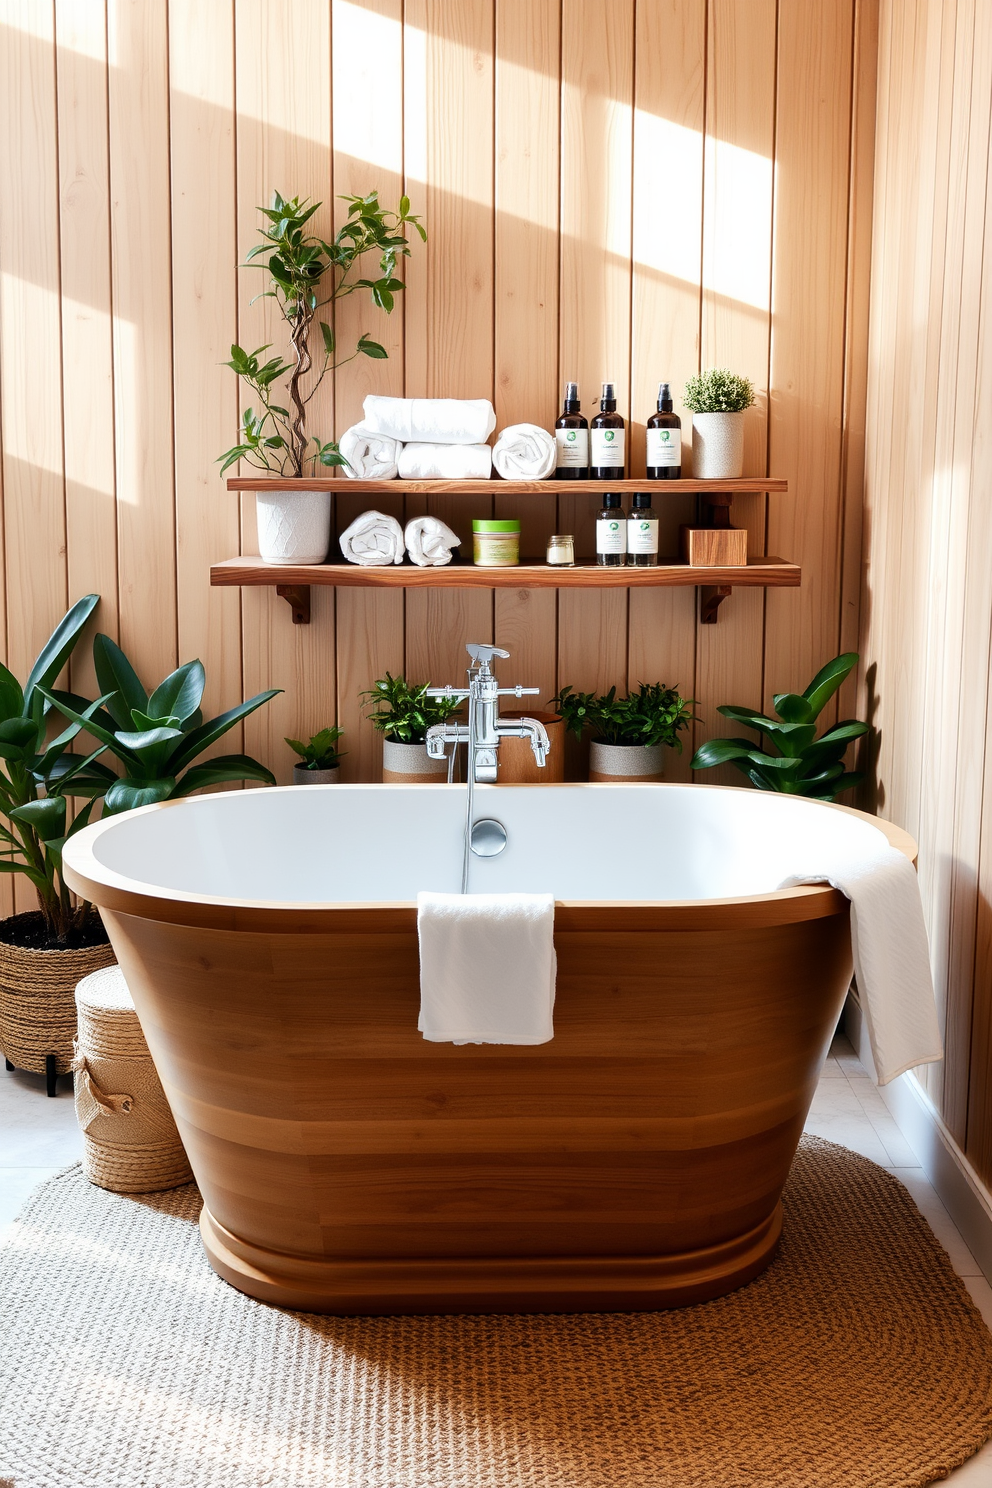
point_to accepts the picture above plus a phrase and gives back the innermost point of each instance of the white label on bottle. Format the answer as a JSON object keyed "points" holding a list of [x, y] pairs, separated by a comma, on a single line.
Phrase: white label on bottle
{"points": [[664, 448], [611, 534], [608, 448], [642, 534], [573, 448]]}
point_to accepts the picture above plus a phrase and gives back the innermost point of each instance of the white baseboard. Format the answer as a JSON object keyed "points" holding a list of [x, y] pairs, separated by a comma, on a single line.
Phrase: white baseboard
{"points": [[962, 1192]]}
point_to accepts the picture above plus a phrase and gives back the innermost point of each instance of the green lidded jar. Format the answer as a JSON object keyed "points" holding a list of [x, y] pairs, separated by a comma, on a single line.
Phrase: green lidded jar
{"points": [[496, 544]]}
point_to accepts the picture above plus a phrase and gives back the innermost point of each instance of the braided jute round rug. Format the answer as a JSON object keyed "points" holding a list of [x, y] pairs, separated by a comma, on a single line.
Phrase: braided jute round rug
{"points": [[856, 1360]]}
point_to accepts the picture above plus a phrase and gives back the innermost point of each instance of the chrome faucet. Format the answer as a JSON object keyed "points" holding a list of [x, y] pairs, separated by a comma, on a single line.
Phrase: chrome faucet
{"points": [[484, 729]]}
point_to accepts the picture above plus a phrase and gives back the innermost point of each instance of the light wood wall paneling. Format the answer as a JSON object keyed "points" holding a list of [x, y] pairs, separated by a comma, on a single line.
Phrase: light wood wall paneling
{"points": [[205, 322], [809, 285], [367, 136], [87, 337], [526, 302], [737, 236], [458, 76], [142, 298], [283, 126], [669, 108], [596, 165]]}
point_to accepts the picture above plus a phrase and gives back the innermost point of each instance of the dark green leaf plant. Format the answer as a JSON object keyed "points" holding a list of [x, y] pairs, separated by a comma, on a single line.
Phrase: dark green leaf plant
{"points": [[403, 712], [158, 738], [654, 714], [37, 776], [322, 752], [795, 761], [307, 274]]}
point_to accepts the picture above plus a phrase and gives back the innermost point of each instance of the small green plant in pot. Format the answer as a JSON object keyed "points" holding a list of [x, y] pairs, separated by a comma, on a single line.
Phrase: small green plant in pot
{"points": [[796, 761], [629, 734], [718, 400], [402, 712], [319, 758]]}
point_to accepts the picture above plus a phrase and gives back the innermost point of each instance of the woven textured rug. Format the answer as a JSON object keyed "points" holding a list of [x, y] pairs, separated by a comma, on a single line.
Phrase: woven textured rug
{"points": [[856, 1361]]}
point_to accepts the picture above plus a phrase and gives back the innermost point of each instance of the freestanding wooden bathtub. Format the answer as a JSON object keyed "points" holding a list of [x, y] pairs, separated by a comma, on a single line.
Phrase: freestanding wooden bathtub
{"points": [[634, 1162]]}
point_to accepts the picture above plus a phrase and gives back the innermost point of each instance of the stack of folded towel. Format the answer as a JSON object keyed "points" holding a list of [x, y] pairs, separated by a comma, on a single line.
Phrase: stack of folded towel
{"points": [[442, 439], [376, 540]]}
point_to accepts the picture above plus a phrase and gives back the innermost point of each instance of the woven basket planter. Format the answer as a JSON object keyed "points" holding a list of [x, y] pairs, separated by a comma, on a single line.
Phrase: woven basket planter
{"points": [[38, 1005]]}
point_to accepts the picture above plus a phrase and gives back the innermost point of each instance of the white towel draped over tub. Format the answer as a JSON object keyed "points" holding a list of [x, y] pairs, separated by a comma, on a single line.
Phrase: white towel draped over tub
{"points": [[525, 452], [430, 420], [889, 940], [373, 540], [445, 462], [487, 968], [429, 542], [369, 456]]}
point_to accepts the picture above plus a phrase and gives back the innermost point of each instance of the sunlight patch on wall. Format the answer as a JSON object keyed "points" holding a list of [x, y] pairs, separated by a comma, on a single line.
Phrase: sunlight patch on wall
{"points": [[738, 215], [366, 44]]}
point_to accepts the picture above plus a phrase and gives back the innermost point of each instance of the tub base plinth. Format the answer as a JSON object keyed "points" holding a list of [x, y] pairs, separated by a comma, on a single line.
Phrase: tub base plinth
{"points": [[490, 1284]]}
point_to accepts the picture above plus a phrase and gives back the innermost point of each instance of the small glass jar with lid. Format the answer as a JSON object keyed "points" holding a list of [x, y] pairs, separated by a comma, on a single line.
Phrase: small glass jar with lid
{"points": [[496, 543], [561, 550]]}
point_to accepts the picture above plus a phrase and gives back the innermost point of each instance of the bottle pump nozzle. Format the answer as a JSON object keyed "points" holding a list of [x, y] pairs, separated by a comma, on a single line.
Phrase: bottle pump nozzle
{"points": [[608, 402]]}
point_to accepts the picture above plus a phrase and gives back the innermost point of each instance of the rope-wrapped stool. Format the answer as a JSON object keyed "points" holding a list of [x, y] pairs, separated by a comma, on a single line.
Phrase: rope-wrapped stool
{"points": [[130, 1140]]}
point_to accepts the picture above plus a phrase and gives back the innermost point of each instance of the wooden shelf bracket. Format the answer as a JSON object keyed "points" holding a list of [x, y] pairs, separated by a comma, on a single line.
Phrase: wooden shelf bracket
{"points": [[298, 598], [711, 597]]}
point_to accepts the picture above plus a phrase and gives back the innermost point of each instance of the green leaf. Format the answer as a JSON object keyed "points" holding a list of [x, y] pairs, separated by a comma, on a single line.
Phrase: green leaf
{"points": [[404, 205], [851, 728], [225, 767], [791, 707], [45, 817], [126, 795], [112, 740], [179, 695], [721, 752], [331, 455], [81, 820], [11, 696], [747, 716], [117, 676], [328, 336], [372, 349], [142, 721], [152, 747], [201, 738], [827, 680], [55, 653]]}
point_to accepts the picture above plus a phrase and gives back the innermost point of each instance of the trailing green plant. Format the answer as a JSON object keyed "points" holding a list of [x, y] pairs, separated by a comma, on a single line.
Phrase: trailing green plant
{"points": [[799, 763], [654, 714], [275, 437], [37, 776], [158, 737], [403, 712], [718, 391], [321, 753]]}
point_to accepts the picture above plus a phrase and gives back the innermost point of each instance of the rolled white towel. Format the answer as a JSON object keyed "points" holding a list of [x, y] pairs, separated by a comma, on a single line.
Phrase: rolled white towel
{"points": [[430, 420], [525, 452], [373, 540], [429, 542], [369, 456], [445, 462]]}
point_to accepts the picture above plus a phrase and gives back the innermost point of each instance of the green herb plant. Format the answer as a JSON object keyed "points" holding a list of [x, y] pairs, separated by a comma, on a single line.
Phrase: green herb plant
{"points": [[718, 391], [796, 761], [321, 753], [274, 437], [159, 737], [654, 714], [403, 712], [36, 777]]}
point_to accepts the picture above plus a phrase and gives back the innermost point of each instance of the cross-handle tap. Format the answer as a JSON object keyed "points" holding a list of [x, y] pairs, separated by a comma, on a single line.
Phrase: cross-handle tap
{"points": [[485, 728]]}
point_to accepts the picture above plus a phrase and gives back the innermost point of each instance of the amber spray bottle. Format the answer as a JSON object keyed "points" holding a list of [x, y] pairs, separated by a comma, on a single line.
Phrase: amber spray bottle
{"points": [[607, 455], [572, 438], [664, 439]]}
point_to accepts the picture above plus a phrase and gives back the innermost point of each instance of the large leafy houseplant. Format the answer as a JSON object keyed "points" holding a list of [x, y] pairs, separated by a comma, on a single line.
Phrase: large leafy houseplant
{"points": [[654, 714], [402, 711], [37, 776], [158, 738], [306, 274], [796, 761]]}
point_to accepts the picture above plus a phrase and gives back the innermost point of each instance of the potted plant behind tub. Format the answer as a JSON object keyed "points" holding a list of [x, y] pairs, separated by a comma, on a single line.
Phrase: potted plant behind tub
{"points": [[45, 952], [629, 734], [718, 401], [294, 526], [320, 759], [402, 712]]}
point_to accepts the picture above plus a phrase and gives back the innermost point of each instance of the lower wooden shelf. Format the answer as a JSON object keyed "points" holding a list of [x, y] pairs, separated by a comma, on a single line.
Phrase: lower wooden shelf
{"points": [[292, 581]]}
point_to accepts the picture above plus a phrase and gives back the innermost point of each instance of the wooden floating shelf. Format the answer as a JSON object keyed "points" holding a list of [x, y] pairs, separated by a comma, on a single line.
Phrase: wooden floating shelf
{"points": [[495, 486], [292, 581]]}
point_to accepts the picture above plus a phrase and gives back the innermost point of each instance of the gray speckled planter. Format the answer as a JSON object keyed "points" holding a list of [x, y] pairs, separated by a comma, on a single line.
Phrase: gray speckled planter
{"points": [[410, 764], [303, 776], [639, 762]]}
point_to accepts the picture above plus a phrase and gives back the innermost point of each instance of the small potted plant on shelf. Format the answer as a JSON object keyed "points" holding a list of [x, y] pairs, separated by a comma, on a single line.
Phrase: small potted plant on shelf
{"points": [[307, 274], [718, 400], [797, 762], [320, 759], [402, 712], [629, 733]]}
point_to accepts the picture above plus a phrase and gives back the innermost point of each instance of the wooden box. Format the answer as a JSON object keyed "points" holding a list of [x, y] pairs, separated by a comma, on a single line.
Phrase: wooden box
{"points": [[714, 547]]}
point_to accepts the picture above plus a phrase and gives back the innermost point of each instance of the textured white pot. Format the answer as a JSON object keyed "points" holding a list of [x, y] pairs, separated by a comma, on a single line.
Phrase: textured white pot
{"points": [[303, 776], [410, 764], [293, 526], [625, 761], [717, 446]]}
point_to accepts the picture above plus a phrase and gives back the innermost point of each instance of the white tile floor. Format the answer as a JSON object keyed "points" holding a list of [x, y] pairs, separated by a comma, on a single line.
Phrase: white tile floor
{"points": [[39, 1136]]}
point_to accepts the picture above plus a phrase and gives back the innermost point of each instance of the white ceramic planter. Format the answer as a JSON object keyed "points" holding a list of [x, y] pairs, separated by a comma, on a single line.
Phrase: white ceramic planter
{"points": [[293, 526], [410, 764], [717, 446], [303, 776], [641, 762]]}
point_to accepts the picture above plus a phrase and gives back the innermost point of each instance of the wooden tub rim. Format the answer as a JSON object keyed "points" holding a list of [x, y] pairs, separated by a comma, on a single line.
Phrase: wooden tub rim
{"points": [[112, 891]]}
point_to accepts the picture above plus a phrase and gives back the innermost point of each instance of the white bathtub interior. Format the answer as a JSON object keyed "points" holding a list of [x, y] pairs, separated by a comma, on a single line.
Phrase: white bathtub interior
{"points": [[380, 844]]}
